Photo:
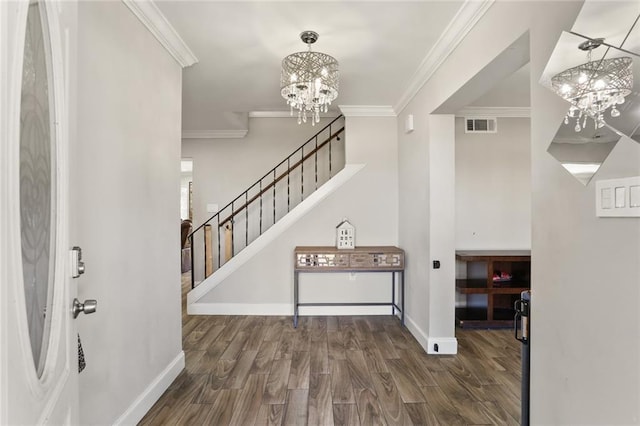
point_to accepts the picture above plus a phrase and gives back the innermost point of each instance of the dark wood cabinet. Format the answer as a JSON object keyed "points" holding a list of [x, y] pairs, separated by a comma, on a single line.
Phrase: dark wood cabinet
{"points": [[489, 284]]}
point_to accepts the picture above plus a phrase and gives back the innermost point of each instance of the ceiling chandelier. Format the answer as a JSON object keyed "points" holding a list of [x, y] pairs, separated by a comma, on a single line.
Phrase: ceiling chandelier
{"points": [[594, 86], [309, 81]]}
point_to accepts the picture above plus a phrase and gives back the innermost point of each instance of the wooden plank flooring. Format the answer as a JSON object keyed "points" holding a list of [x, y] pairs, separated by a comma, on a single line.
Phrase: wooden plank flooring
{"points": [[259, 370]]}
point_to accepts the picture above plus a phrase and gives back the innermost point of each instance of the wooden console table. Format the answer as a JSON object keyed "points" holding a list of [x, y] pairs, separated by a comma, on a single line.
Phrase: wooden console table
{"points": [[361, 259]]}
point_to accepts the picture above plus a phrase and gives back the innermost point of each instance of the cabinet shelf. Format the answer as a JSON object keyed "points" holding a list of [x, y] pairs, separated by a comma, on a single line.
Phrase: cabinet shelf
{"points": [[497, 296], [477, 318]]}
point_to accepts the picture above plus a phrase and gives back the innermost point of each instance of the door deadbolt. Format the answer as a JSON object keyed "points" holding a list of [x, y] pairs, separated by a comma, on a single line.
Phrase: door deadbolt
{"points": [[77, 265], [88, 307]]}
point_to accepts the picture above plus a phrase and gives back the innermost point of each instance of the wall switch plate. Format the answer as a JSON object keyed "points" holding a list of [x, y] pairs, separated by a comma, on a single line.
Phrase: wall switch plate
{"points": [[618, 197]]}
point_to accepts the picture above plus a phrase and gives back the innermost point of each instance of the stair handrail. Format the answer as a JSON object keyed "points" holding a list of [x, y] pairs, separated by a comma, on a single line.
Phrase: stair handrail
{"points": [[262, 191]]}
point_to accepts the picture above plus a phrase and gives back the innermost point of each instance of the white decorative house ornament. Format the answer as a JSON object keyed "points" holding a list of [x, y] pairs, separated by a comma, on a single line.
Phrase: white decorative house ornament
{"points": [[345, 235]]}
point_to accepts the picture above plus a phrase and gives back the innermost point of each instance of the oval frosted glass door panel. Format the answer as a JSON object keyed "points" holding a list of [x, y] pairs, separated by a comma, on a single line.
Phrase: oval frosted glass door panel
{"points": [[37, 185]]}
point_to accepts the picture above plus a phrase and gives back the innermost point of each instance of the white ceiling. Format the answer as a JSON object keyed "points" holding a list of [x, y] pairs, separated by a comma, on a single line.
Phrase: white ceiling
{"points": [[240, 45]]}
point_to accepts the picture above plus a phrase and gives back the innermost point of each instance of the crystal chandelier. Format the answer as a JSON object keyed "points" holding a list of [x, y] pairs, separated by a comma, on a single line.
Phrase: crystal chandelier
{"points": [[594, 86], [309, 81]]}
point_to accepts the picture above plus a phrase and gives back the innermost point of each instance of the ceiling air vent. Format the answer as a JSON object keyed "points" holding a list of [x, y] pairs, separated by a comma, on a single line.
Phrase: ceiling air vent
{"points": [[481, 125]]}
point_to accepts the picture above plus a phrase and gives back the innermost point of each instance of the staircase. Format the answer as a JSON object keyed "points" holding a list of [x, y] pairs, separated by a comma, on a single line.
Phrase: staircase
{"points": [[272, 197]]}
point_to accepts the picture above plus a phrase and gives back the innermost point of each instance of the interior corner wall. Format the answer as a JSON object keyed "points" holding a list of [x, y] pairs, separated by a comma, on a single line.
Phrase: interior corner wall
{"points": [[585, 270], [126, 198], [493, 186], [368, 200], [442, 208]]}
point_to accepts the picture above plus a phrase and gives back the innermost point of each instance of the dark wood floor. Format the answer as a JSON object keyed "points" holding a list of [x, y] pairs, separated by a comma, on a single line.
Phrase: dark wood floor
{"points": [[258, 370]]}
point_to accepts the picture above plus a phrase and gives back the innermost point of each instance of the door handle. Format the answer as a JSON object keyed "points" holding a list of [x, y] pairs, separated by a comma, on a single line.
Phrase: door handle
{"points": [[522, 315], [88, 307]]}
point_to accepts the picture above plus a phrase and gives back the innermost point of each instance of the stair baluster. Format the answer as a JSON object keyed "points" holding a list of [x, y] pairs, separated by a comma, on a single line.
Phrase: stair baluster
{"points": [[224, 221]]}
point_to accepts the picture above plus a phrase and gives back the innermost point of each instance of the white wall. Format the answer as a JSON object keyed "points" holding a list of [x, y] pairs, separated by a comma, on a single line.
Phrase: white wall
{"points": [[126, 188], [585, 276], [585, 322], [223, 168], [369, 200], [493, 186]]}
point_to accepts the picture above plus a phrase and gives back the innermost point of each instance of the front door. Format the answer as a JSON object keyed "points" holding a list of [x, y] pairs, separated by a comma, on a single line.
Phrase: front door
{"points": [[39, 343]]}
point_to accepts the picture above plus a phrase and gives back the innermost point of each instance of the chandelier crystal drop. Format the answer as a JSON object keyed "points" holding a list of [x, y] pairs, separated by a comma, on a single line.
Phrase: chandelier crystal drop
{"points": [[309, 81], [594, 87]]}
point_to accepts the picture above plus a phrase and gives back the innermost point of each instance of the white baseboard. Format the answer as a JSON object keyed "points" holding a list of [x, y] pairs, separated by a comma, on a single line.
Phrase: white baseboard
{"points": [[152, 393], [446, 345], [343, 310], [278, 309], [416, 331], [282, 309]]}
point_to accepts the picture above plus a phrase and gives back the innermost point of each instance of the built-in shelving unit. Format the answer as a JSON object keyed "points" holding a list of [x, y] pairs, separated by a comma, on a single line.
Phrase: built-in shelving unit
{"points": [[489, 283]]}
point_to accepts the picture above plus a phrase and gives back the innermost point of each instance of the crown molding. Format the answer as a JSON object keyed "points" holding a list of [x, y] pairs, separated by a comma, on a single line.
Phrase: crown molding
{"points": [[158, 25], [270, 114], [494, 112], [465, 19], [367, 110], [214, 134], [286, 114]]}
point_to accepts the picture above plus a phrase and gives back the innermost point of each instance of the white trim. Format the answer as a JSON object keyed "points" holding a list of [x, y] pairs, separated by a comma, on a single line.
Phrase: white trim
{"points": [[277, 309], [416, 331], [286, 114], [271, 114], [282, 309], [152, 393], [158, 25], [272, 233], [446, 345], [214, 134], [54, 398], [343, 310], [367, 110], [494, 112], [4, 201], [465, 19]]}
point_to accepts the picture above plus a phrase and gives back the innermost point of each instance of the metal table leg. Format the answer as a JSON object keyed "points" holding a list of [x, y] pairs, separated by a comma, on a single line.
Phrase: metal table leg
{"points": [[295, 299], [393, 293], [402, 290]]}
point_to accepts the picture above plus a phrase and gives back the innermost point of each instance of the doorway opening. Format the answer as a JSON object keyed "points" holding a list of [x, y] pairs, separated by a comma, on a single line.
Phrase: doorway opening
{"points": [[492, 161], [186, 225]]}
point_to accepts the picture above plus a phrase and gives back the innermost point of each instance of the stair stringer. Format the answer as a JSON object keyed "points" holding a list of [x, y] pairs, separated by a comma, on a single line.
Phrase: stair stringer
{"points": [[215, 279]]}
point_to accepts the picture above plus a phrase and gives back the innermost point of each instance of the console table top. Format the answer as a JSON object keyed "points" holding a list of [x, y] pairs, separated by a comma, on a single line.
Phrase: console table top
{"points": [[333, 249]]}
